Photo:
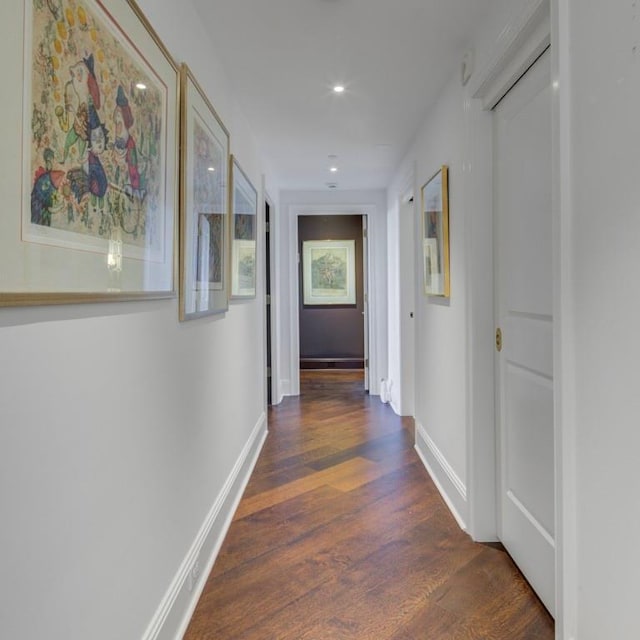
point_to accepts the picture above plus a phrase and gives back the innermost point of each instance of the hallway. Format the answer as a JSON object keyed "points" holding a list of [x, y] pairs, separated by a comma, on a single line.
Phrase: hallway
{"points": [[342, 534]]}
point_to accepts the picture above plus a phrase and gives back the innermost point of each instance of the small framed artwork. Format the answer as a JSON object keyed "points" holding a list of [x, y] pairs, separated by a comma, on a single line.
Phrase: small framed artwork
{"points": [[204, 204], [430, 255], [244, 216], [99, 189], [328, 268], [435, 234]]}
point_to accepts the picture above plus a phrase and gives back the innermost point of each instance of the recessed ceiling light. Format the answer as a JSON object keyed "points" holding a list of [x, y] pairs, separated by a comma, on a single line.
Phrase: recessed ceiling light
{"points": [[141, 85], [333, 169], [338, 88], [211, 168]]}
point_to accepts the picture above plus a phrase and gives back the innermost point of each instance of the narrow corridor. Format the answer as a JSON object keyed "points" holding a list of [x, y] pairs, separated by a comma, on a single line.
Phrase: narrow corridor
{"points": [[342, 534]]}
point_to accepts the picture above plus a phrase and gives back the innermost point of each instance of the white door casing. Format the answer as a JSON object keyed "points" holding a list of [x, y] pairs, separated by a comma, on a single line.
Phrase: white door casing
{"points": [[365, 284], [524, 314], [408, 221], [375, 301]]}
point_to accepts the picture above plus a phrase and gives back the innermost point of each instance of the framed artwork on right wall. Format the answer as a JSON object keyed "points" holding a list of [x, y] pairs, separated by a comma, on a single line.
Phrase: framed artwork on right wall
{"points": [[435, 234]]}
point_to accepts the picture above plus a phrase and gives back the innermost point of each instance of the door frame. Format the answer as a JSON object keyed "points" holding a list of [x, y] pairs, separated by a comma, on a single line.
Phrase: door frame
{"points": [[526, 35], [269, 306], [365, 304], [409, 228], [403, 311], [295, 211], [522, 40]]}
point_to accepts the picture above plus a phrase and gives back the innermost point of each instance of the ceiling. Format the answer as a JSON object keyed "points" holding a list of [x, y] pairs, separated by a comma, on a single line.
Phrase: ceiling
{"points": [[283, 58]]}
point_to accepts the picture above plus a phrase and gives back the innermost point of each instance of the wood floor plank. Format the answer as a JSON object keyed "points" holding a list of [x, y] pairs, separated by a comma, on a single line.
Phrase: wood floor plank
{"points": [[317, 559], [345, 476], [342, 534]]}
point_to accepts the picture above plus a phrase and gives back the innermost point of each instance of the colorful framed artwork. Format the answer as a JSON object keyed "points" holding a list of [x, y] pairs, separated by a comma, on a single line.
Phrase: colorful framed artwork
{"points": [[328, 269], [244, 210], [204, 204], [435, 234], [99, 191]]}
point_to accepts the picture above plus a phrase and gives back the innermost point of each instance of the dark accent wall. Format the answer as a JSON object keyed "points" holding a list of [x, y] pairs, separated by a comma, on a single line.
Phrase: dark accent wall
{"points": [[332, 333]]}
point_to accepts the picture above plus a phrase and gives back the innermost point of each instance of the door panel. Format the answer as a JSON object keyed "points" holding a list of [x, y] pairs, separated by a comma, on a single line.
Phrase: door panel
{"points": [[525, 315], [529, 413]]}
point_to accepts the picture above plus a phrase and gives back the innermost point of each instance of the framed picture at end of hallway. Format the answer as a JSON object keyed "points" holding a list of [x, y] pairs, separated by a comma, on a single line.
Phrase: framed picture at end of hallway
{"points": [[244, 217], [435, 234], [204, 204], [328, 272], [93, 217]]}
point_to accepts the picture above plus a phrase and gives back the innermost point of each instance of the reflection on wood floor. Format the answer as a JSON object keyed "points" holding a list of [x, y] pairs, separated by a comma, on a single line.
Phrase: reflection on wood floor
{"points": [[342, 534]]}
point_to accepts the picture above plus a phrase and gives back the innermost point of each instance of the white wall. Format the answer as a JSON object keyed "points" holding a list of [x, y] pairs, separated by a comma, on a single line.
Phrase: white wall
{"points": [[597, 352], [121, 429], [454, 387], [441, 340], [293, 204], [600, 90]]}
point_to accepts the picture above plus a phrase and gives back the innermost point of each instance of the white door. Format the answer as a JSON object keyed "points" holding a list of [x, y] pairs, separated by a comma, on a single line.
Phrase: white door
{"points": [[524, 316]]}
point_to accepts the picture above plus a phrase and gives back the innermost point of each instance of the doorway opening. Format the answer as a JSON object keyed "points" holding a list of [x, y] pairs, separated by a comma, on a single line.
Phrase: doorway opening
{"points": [[268, 320], [332, 295]]}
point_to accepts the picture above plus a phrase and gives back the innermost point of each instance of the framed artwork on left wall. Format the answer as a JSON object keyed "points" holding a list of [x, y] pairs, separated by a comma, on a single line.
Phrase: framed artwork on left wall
{"points": [[99, 187], [204, 204], [244, 213]]}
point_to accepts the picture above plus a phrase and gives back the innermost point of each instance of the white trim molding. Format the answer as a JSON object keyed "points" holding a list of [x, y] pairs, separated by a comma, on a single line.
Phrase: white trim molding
{"points": [[477, 192], [450, 486], [174, 613], [519, 45], [566, 527]]}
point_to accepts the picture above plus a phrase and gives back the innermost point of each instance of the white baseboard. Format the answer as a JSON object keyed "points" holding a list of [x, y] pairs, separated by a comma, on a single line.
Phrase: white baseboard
{"points": [[396, 410], [451, 488], [174, 613], [284, 389]]}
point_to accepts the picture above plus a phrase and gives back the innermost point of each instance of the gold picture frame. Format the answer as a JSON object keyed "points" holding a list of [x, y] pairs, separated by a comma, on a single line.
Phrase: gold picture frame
{"points": [[204, 204], [244, 221], [99, 189], [435, 234]]}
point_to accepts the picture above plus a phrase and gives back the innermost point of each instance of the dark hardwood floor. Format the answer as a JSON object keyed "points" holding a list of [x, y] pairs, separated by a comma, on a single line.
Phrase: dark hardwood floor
{"points": [[341, 534]]}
